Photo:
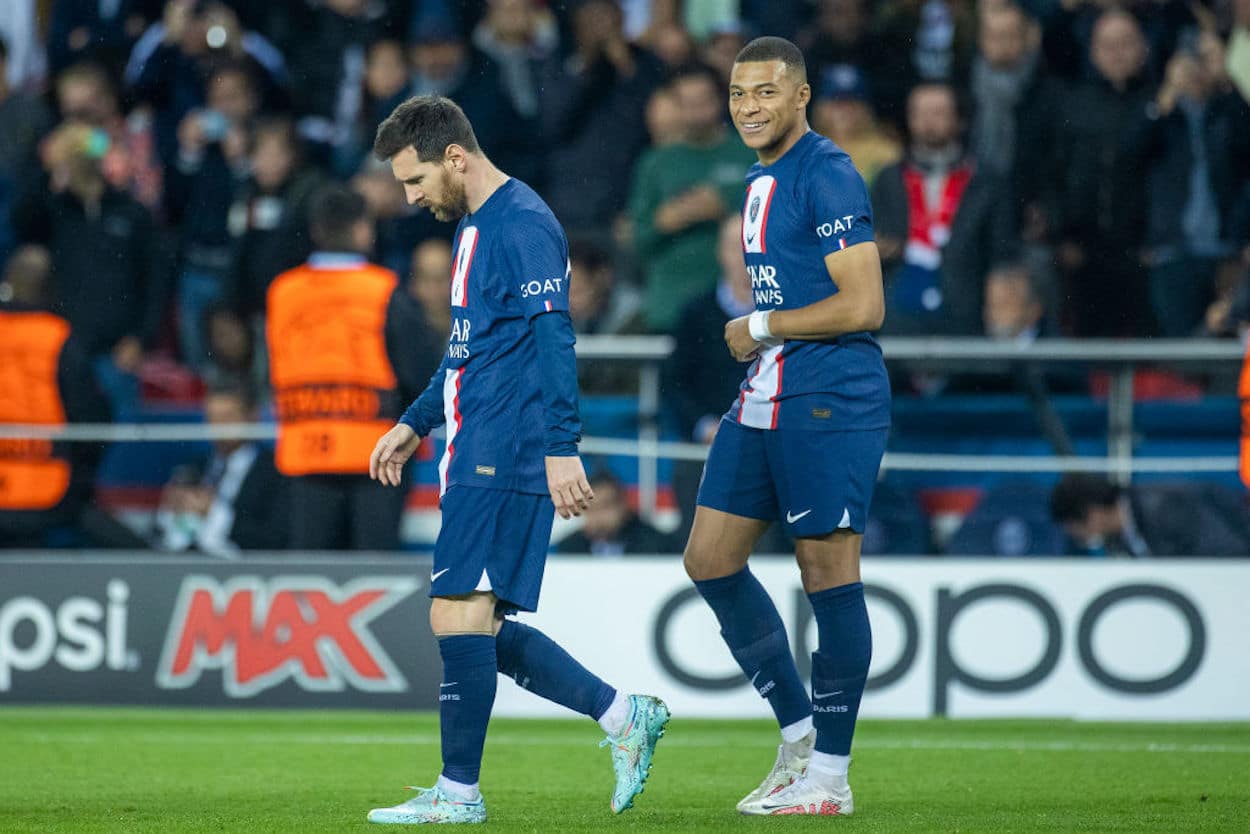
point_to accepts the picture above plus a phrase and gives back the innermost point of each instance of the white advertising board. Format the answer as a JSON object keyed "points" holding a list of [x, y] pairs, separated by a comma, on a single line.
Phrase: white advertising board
{"points": [[1132, 640]]}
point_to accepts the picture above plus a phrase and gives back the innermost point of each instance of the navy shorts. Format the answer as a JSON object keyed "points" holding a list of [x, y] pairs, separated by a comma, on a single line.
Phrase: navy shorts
{"points": [[814, 482], [493, 540]]}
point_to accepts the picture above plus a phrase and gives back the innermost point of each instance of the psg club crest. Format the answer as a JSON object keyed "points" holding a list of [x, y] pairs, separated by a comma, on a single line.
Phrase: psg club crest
{"points": [[754, 211]]}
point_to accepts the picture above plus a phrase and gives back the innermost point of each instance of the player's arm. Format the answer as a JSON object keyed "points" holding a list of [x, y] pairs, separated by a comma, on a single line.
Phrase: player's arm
{"points": [[557, 367], [386, 463], [858, 305], [538, 256]]}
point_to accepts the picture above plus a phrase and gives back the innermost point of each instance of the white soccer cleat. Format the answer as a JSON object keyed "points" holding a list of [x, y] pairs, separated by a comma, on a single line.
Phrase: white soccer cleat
{"points": [[804, 796], [790, 766]]}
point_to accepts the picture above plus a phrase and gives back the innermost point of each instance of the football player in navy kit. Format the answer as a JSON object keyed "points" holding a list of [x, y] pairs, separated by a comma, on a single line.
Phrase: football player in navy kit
{"points": [[802, 443]]}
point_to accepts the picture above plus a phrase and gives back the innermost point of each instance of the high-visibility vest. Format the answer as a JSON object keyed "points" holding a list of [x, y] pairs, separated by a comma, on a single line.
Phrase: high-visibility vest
{"points": [[34, 474], [335, 390], [1243, 391]]}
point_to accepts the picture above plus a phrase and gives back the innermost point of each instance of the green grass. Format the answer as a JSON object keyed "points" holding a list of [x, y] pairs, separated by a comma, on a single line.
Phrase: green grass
{"points": [[82, 770]]}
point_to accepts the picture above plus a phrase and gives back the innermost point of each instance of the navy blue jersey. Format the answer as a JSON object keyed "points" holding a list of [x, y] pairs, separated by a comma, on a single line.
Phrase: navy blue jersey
{"points": [[807, 204], [511, 265]]}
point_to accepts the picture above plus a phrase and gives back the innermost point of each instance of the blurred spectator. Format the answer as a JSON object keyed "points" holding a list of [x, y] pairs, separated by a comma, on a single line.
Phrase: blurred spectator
{"points": [[268, 221], [842, 34], [346, 355], [232, 349], [601, 305], [1015, 105], [231, 502], [327, 57], [721, 47], [46, 378], [109, 267], [598, 303], [611, 528], [213, 146], [86, 93], [593, 112], [1013, 310], [172, 61], [444, 63], [1238, 62], [102, 31], [671, 43], [941, 222], [842, 112], [520, 36], [1101, 204], [429, 285], [1193, 144], [23, 119], [19, 28], [665, 124], [679, 195], [1143, 520], [385, 86], [701, 377], [922, 41]]}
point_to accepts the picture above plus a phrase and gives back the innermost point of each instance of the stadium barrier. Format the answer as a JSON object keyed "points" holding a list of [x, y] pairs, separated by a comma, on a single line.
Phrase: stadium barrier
{"points": [[1140, 640]]}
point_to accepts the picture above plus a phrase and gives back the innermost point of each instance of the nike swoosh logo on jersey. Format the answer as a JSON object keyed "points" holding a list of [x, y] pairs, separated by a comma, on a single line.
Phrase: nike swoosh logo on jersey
{"points": [[445, 685], [818, 695], [750, 239], [791, 517], [434, 576]]}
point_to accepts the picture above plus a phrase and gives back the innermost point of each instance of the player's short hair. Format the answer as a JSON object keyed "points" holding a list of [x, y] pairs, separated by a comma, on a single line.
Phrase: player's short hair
{"points": [[769, 48], [332, 213], [1077, 493], [428, 124]]}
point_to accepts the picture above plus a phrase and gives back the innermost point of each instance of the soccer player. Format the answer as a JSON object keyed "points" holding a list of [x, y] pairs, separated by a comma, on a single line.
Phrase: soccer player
{"points": [[803, 441], [507, 393]]}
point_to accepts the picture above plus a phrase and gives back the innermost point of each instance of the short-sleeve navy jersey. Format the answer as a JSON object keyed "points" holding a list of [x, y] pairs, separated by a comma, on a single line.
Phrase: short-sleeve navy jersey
{"points": [[511, 264], [807, 204]]}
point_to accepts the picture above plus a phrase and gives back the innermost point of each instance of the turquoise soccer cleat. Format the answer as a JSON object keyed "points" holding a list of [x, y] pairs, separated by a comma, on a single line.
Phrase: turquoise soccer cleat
{"points": [[633, 749], [431, 806]]}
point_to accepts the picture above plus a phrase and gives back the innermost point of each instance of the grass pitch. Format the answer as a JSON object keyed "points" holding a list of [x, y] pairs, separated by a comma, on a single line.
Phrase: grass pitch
{"points": [[86, 770]]}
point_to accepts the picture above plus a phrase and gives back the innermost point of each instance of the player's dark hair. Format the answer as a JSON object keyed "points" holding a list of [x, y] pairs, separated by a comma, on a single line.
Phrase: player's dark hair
{"points": [[332, 213], [694, 69], [427, 123], [1077, 493], [770, 48]]}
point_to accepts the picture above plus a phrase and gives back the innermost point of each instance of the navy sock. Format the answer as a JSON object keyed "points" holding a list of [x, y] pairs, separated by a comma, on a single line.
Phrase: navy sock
{"points": [[753, 630], [840, 665], [538, 664], [465, 698]]}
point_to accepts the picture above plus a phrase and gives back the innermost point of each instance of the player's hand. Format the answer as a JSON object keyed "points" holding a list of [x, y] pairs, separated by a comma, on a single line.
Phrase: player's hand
{"points": [[570, 491], [386, 464], [738, 337]]}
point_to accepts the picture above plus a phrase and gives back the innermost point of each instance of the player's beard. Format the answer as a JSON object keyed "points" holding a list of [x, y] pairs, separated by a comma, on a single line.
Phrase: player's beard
{"points": [[456, 205]]}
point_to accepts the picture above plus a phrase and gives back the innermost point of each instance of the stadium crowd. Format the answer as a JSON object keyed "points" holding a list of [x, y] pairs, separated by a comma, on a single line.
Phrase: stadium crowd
{"points": [[1037, 168]]}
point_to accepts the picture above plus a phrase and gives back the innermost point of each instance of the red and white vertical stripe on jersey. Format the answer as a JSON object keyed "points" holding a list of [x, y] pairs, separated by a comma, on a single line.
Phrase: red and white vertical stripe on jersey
{"points": [[755, 213], [464, 260], [758, 404], [451, 411]]}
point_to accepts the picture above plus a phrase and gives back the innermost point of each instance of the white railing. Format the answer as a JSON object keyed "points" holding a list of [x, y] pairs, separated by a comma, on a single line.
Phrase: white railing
{"points": [[1120, 358]]}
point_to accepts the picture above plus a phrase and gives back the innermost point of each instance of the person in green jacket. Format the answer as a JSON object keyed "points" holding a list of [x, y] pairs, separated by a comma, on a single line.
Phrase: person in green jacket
{"points": [[681, 192]]}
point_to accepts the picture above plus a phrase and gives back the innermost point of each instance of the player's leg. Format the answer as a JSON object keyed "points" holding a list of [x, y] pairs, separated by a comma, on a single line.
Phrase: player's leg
{"points": [[736, 505], [633, 723], [827, 517], [464, 628]]}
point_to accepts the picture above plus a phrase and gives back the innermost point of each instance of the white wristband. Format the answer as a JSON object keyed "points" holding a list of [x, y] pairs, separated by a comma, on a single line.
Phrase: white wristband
{"points": [[757, 324]]}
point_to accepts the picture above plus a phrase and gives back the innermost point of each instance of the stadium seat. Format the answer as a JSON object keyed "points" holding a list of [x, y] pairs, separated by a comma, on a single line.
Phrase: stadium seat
{"points": [[896, 524], [1013, 519]]}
